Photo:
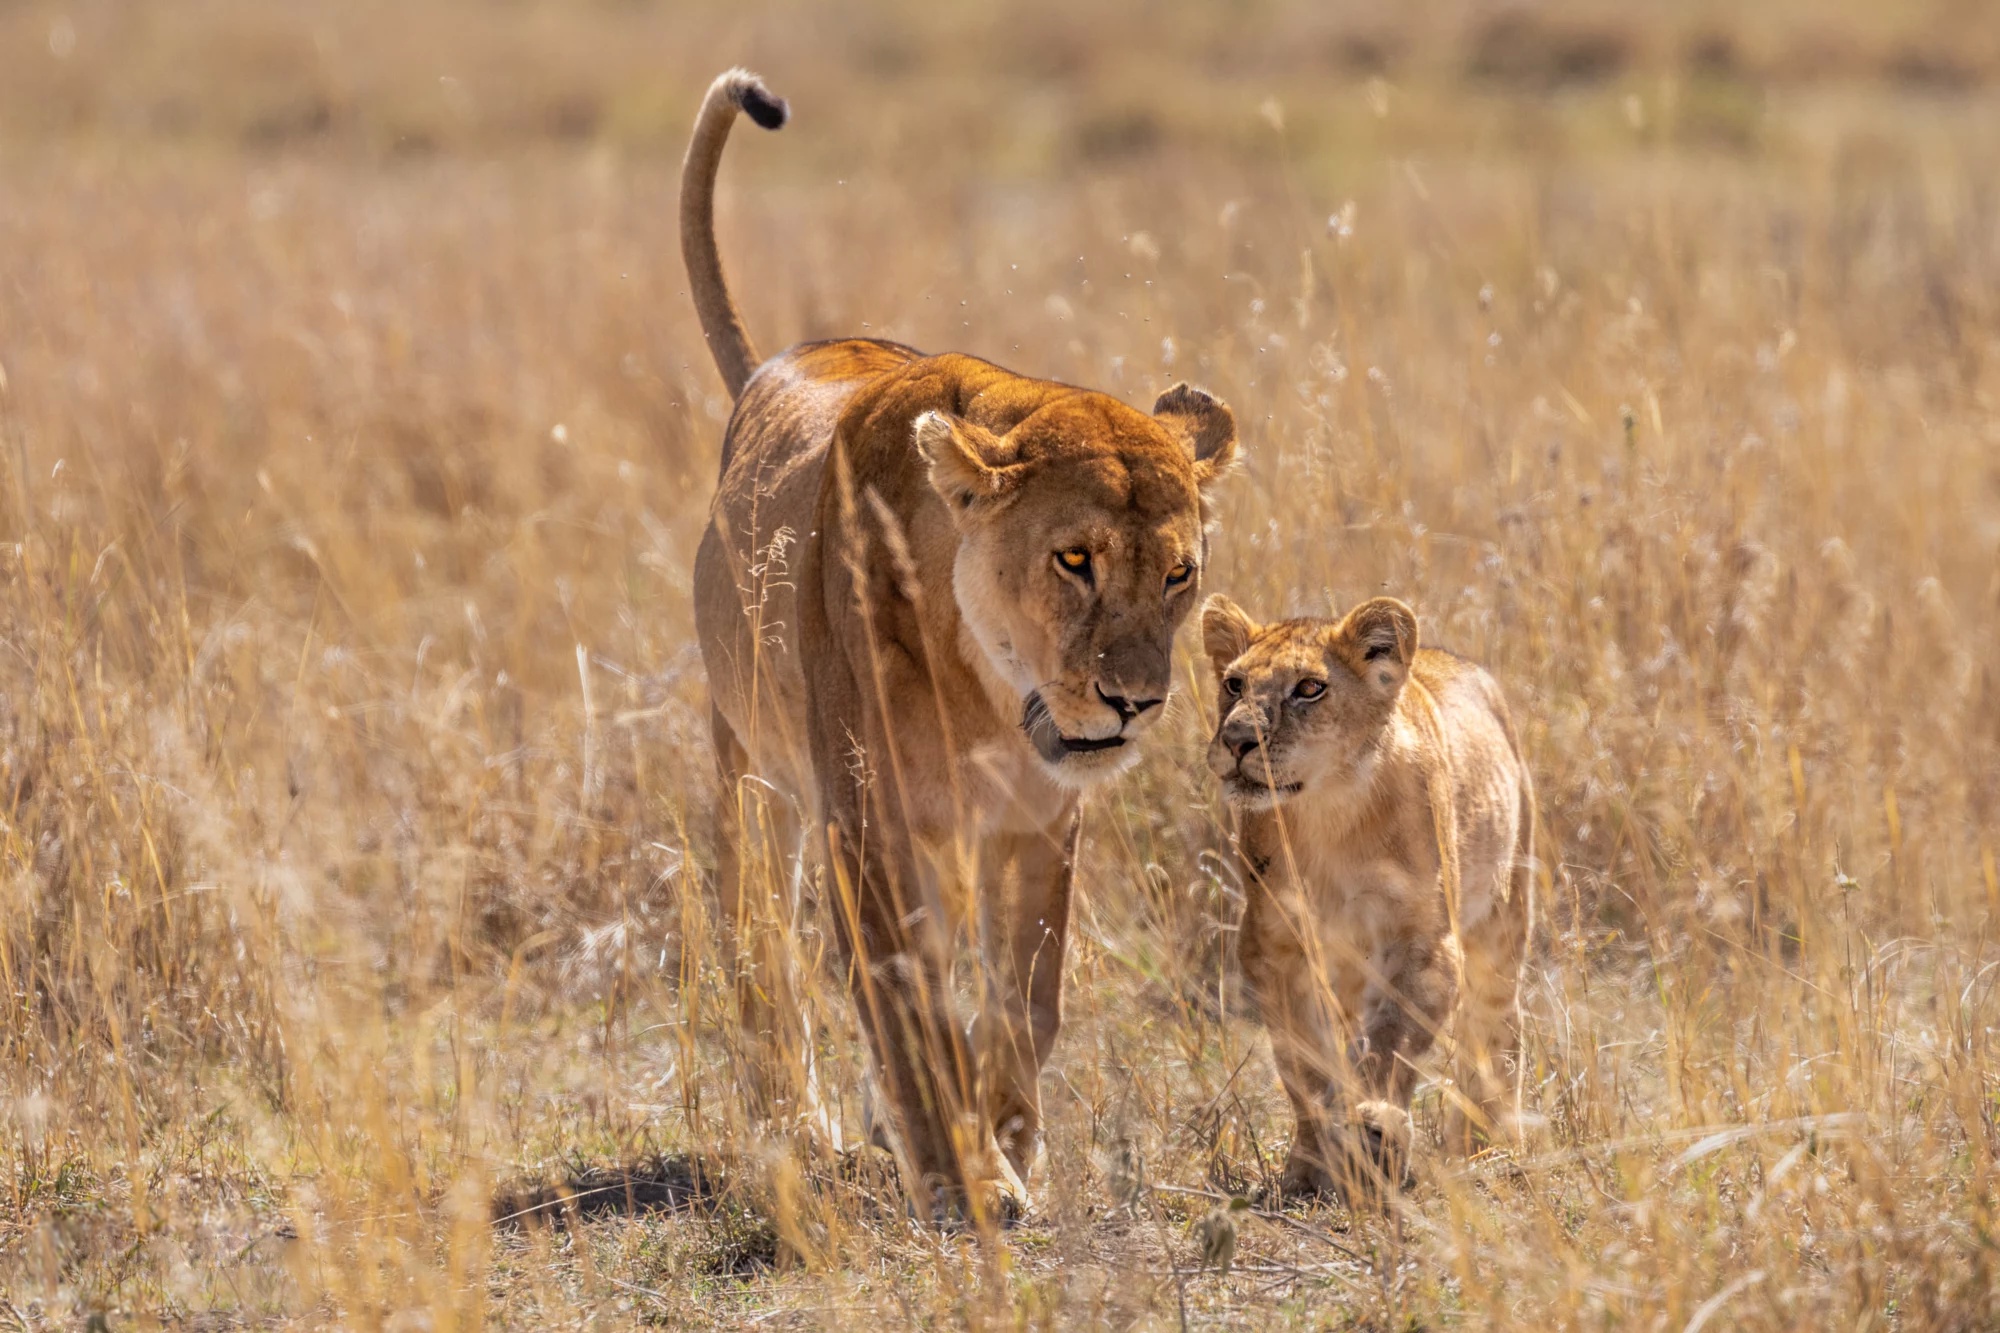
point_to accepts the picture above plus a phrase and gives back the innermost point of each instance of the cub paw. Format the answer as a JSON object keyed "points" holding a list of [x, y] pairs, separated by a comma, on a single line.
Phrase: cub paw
{"points": [[1008, 1200], [1380, 1137]]}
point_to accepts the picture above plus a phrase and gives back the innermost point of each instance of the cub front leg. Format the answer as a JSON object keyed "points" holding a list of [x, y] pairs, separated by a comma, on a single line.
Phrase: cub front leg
{"points": [[1488, 1038], [1298, 998], [1489, 1070], [1408, 1000], [1487, 1065]]}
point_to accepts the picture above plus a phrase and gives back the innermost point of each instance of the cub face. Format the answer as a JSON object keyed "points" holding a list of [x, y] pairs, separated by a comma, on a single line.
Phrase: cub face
{"points": [[1081, 535], [1304, 703]]}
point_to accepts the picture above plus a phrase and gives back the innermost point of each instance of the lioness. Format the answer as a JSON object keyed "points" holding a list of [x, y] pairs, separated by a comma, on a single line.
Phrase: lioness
{"points": [[936, 601], [1387, 826]]}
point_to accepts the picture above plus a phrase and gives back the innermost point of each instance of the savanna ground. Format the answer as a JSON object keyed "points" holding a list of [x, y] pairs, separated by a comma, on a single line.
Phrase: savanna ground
{"points": [[355, 793]]}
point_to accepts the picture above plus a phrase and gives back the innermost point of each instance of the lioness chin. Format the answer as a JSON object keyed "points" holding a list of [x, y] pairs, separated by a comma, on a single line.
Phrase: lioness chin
{"points": [[936, 600], [1386, 827]]}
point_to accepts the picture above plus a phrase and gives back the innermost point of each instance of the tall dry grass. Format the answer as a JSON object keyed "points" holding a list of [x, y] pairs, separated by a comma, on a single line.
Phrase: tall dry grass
{"points": [[355, 797]]}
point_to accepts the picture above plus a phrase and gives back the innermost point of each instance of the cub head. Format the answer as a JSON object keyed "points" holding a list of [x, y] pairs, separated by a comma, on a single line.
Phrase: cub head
{"points": [[1304, 703], [1081, 535]]}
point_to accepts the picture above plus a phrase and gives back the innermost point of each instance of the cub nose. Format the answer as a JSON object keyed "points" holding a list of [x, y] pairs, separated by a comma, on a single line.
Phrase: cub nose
{"points": [[1127, 709], [1243, 746]]}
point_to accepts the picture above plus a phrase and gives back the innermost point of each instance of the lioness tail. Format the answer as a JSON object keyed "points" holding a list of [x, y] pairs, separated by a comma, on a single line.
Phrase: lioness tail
{"points": [[721, 323]]}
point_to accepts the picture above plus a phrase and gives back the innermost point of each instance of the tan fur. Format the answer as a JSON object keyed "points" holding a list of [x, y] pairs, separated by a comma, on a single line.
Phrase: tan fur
{"points": [[894, 647], [1387, 830]]}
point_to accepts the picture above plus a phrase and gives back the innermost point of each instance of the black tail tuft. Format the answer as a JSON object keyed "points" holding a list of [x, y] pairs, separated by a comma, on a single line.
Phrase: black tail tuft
{"points": [[768, 111]]}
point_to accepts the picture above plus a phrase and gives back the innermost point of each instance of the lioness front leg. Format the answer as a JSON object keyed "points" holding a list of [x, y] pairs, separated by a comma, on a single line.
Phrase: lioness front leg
{"points": [[1026, 927], [896, 965], [1404, 1007]]}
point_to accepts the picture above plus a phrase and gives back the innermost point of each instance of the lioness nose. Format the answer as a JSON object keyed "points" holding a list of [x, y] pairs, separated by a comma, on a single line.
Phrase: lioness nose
{"points": [[1127, 709], [1242, 746]]}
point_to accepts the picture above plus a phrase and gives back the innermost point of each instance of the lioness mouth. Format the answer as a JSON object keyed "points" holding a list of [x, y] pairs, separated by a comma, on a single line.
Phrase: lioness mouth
{"points": [[1048, 739]]}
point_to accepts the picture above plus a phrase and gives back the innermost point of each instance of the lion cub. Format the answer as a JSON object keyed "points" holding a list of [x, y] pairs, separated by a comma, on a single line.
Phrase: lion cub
{"points": [[1386, 822]]}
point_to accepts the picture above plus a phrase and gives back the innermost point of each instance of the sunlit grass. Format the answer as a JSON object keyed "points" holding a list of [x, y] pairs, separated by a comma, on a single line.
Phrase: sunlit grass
{"points": [[355, 790]]}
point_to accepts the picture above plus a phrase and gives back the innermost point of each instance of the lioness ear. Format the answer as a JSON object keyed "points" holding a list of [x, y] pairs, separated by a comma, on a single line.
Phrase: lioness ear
{"points": [[1378, 639], [968, 462], [1205, 424], [1225, 631]]}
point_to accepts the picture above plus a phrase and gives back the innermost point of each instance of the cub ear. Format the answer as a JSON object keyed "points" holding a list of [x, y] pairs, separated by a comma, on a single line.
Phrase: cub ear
{"points": [[1379, 639], [968, 462], [1226, 631], [1205, 424]]}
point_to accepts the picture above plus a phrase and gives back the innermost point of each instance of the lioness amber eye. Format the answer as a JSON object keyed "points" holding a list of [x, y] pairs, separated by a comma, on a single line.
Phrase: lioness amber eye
{"points": [[1233, 686], [1076, 560], [1179, 574], [1309, 689]]}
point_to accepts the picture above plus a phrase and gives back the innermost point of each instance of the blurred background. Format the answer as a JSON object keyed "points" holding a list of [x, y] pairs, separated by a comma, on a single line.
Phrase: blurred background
{"points": [[1028, 90], [355, 808]]}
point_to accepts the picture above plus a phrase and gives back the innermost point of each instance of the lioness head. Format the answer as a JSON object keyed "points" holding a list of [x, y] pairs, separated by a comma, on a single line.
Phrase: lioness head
{"points": [[1081, 536], [1304, 703]]}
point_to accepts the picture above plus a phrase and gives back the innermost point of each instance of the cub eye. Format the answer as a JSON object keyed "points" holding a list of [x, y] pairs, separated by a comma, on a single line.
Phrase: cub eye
{"points": [[1179, 575], [1309, 689], [1233, 686], [1076, 560]]}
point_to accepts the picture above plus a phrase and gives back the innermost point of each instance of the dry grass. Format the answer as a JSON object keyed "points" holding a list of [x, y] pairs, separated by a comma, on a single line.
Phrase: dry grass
{"points": [[354, 784]]}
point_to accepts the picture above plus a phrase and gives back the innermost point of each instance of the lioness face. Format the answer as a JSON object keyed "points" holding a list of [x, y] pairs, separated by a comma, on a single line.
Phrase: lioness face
{"points": [[1303, 703], [1081, 539]]}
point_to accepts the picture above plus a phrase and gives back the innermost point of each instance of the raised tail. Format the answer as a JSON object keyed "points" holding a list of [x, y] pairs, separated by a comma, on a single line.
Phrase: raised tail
{"points": [[721, 323]]}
